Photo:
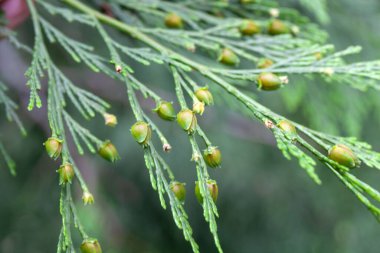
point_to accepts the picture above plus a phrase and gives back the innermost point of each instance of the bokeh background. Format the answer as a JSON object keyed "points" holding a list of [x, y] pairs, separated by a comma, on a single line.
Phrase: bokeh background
{"points": [[266, 203]]}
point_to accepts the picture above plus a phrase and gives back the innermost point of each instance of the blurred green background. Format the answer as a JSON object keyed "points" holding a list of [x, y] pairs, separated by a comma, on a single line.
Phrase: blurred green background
{"points": [[266, 203]]}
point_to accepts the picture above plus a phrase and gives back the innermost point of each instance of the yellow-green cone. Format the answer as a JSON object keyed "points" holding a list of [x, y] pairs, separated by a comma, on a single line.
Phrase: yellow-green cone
{"points": [[179, 190], [212, 187], [344, 155], [108, 151], [212, 157], [187, 120], [268, 81], [277, 27], [90, 246], [165, 110], [141, 132], [228, 57], [53, 147], [174, 21], [204, 95]]}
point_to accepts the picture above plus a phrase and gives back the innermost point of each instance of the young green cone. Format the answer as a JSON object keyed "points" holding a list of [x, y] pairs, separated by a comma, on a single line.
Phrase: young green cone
{"points": [[165, 110], [174, 21], [204, 95], [212, 157], [199, 107], [141, 132], [287, 127], [343, 155], [90, 246], [277, 27], [53, 147], [249, 28], [179, 190], [228, 57], [66, 173], [187, 120], [108, 151], [88, 198], [212, 187], [269, 81], [264, 63]]}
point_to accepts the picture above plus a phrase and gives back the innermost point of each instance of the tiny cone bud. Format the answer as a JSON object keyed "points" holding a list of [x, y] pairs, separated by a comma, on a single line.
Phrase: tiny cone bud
{"points": [[172, 20], [287, 127], [328, 71], [212, 187], [249, 28], [277, 27], [268, 124], [66, 173], [108, 151], [198, 107], [167, 147], [165, 110], [318, 55], [343, 155], [88, 198], [295, 30], [118, 69], [190, 47], [268, 81], [53, 147], [228, 57], [179, 190], [274, 12], [264, 63], [141, 132], [90, 246], [110, 119], [187, 120], [212, 157], [204, 95]]}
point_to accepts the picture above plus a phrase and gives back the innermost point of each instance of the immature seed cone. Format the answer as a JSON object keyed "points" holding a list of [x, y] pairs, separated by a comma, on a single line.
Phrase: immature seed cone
{"points": [[277, 27], [212, 187], [264, 63], [172, 20], [141, 132], [165, 110], [199, 107], [66, 173], [228, 57], [212, 157], [204, 95], [53, 147], [287, 127], [344, 155], [249, 28], [187, 120], [88, 198], [268, 81], [110, 119], [318, 55], [108, 151], [90, 246], [179, 190]]}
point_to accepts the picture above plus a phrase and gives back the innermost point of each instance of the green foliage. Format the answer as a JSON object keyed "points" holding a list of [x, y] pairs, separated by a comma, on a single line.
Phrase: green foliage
{"points": [[190, 56], [10, 112]]}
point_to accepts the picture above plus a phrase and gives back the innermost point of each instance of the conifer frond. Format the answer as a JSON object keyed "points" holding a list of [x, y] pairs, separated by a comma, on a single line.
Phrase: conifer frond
{"points": [[319, 8], [191, 55], [10, 112], [10, 108]]}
